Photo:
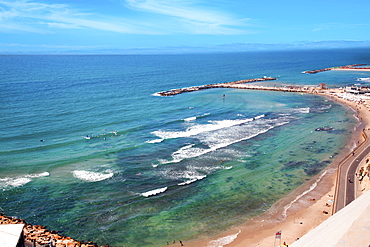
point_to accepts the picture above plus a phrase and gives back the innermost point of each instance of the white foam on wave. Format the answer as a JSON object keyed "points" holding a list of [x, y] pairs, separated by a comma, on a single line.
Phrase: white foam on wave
{"points": [[154, 192], [305, 110], [13, 182], [91, 176], [227, 167], [201, 128], [222, 138], [312, 187], [324, 108], [196, 178], [224, 240], [365, 79], [186, 152], [189, 174], [259, 117], [189, 119], [155, 141]]}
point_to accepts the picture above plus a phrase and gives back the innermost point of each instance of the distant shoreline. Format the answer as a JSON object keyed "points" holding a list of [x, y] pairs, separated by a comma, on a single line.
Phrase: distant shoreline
{"points": [[352, 67]]}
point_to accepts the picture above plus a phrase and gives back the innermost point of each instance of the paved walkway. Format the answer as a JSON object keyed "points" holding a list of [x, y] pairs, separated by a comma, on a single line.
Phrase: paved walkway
{"points": [[345, 191]]}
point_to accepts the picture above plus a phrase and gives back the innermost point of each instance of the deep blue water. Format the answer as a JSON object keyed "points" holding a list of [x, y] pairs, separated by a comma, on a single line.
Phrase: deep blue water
{"points": [[88, 150]]}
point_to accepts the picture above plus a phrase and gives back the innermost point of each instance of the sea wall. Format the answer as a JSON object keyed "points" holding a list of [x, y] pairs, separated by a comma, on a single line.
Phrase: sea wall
{"points": [[240, 85], [209, 86]]}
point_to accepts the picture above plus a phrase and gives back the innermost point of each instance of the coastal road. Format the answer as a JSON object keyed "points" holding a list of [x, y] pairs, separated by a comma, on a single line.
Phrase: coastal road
{"points": [[346, 184]]}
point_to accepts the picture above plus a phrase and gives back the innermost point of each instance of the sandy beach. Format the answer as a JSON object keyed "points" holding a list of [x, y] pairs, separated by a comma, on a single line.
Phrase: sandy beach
{"points": [[308, 206]]}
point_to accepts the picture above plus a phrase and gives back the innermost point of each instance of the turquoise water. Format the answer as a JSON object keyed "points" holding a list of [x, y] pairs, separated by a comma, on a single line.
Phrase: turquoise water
{"points": [[88, 150]]}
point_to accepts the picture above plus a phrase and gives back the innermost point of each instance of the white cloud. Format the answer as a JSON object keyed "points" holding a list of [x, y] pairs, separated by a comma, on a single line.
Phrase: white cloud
{"points": [[60, 25], [173, 17], [36, 17], [68, 47], [196, 18], [181, 9]]}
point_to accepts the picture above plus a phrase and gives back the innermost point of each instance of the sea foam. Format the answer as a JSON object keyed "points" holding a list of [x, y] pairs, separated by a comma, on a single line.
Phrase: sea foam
{"points": [[13, 182], [223, 137], [192, 180], [224, 240], [202, 128], [305, 110], [189, 119], [91, 176], [154, 192]]}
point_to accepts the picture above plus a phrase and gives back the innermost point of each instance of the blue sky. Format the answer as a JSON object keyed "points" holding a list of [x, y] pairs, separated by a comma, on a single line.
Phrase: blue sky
{"points": [[87, 25]]}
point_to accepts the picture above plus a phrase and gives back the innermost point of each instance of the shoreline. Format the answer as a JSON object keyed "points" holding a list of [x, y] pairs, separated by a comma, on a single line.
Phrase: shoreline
{"points": [[305, 208], [301, 210]]}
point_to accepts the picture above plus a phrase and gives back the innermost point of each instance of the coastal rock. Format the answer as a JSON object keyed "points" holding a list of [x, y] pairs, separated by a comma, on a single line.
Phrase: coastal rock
{"points": [[217, 85], [38, 235]]}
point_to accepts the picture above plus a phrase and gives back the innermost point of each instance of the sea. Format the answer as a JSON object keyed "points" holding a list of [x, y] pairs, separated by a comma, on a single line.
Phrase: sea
{"points": [[88, 148]]}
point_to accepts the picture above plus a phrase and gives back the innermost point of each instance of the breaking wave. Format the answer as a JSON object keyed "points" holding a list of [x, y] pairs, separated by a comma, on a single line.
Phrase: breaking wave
{"points": [[91, 176], [221, 137], [302, 110], [13, 182], [189, 119], [201, 128], [154, 192], [196, 178]]}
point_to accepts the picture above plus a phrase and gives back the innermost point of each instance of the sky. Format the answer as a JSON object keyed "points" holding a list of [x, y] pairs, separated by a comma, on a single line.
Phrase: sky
{"points": [[108, 25]]}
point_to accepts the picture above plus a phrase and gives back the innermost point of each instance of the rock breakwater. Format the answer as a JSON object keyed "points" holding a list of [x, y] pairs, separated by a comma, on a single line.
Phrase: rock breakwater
{"points": [[209, 86], [39, 236]]}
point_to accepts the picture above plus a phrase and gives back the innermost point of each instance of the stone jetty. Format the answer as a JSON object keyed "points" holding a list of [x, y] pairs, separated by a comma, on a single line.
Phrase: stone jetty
{"points": [[209, 86], [39, 236], [293, 89], [352, 66]]}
